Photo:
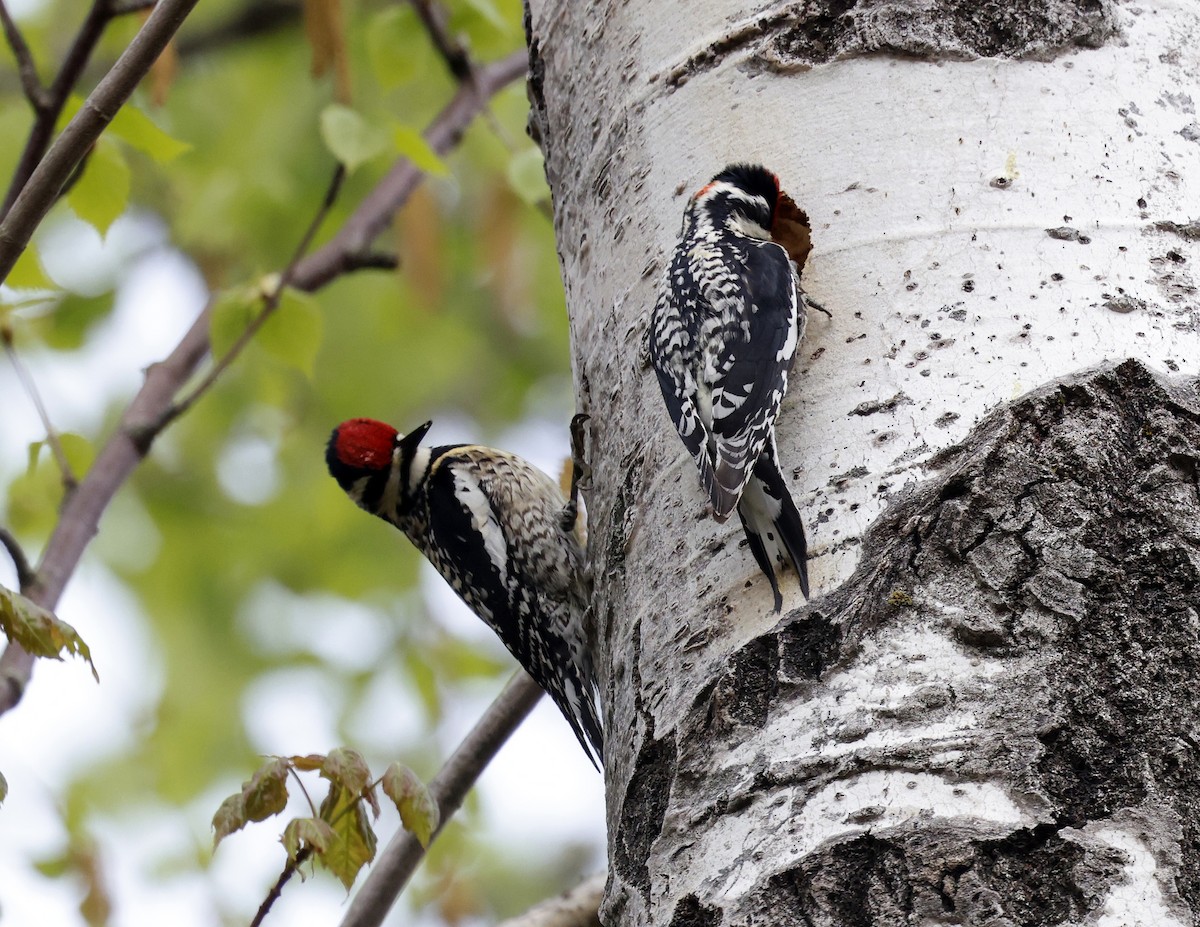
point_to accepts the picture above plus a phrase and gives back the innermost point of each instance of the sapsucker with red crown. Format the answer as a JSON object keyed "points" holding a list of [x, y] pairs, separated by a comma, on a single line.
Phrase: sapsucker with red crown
{"points": [[500, 533], [723, 337]]}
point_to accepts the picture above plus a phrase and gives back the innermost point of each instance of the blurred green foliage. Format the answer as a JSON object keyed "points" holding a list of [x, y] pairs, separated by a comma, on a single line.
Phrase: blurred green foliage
{"points": [[235, 162]]}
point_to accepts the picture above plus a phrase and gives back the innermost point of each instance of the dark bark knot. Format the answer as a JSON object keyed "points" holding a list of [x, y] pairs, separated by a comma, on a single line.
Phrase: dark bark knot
{"points": [[642, 810], [801, 35]]}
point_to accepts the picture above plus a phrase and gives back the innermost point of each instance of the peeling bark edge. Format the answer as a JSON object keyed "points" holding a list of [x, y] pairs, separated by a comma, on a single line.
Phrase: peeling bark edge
{"points": [[1076, 513], [796, 36]]}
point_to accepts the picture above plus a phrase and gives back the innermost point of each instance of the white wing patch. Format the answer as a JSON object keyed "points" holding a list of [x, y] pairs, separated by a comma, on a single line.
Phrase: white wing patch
{"points": [[474, 500]]}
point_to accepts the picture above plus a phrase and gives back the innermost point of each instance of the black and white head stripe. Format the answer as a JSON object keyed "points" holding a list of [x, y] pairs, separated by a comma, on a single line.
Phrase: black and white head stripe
{"points": [[747, 188]]}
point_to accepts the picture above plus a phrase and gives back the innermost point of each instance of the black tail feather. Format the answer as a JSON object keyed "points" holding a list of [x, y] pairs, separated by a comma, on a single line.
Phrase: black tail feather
{"points": [[786, 532], [764, 559], [585, 722]]}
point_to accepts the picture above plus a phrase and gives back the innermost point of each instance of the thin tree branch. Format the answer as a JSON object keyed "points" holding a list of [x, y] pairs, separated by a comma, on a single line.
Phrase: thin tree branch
{"points": [[259, 17], [277, 889], [435, 19], [270, 304], [26, 577], [131, 6], [399, 860], [54, 99], [375, 212], [80, 515], [69, 480], [577, 907], [42, 189], [34, 91], [457, 59]]}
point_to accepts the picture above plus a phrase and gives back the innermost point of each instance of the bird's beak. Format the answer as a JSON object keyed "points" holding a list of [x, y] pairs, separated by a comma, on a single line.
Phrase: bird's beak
{"points": [[412, 440]]}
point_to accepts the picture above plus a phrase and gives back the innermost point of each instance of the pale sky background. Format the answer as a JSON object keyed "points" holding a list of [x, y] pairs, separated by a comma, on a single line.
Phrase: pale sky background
{"points": [[539, 794]]}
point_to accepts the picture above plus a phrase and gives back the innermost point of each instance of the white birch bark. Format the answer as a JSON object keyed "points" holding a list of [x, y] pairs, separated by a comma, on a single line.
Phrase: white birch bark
{"points": [[986, 714]]}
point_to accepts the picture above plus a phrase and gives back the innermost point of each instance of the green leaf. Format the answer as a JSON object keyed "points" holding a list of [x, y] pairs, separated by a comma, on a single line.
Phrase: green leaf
{"points": [[419, 813], [293, 332], [411, 144], [311, 832], [488, 11], [3, 788], [100, 195], [392, 29], [351, 139], [230, 818], [262, 795], [139, 131], [354, 841], [38, 632], [527, 176], [421, 675], [347, 768], [234, 309], [68, 325], [76, 448], [28, 273]]}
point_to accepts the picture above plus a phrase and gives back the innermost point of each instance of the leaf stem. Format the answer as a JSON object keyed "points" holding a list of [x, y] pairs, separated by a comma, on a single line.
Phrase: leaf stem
{"points": [[69, 480], [270, 304]]}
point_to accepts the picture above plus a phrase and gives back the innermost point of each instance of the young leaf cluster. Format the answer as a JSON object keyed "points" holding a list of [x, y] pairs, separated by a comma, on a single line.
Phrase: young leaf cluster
{"points": [[340, 833]]}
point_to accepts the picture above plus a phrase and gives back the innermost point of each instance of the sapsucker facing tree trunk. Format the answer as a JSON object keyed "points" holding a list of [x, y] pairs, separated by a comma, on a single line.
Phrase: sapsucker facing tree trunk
{"points": [[986, 714]]}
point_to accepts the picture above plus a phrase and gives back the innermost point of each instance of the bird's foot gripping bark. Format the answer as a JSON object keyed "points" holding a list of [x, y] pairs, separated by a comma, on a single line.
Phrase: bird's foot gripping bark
{"points": [[581, 471]]}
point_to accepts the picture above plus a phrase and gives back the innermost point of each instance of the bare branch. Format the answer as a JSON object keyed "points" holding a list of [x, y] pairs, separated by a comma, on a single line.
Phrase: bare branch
{"points": [[80, 515], [277, 889], [399, 860], [40, 192], [32, 84], [270, 304], [131, 6], [54, 100], [435, 19], [26, 577], [578, 907], [69, 480], [259, 17]]}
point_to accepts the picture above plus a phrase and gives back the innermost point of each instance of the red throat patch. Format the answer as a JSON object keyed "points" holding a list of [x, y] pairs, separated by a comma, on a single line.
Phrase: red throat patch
{"points": [[365, 443]]}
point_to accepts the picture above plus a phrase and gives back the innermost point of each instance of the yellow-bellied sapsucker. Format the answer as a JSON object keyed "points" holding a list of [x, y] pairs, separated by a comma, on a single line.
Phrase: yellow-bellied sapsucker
{"points": [[500, 533], [723, 336]]}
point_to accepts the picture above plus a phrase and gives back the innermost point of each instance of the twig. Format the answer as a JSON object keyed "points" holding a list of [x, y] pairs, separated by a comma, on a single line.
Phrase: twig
{"points": [[270, 304], [453, 53], [131, 6], [277, 889], [261, 17], [26, 577], [304, 791], [80, 515], [578, 907], [42, 189], [457, 59], [374, 213], [69, 480], [53, 101], [396, 864], [30, 82]]}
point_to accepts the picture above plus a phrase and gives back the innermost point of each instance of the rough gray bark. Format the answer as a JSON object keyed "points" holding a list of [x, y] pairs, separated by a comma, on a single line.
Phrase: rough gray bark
{"points": [[1066, 533], [984, 715]]}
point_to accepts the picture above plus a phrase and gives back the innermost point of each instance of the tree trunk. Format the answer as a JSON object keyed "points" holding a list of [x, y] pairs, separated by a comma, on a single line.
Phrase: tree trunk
{"points": [[986, 715]]}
